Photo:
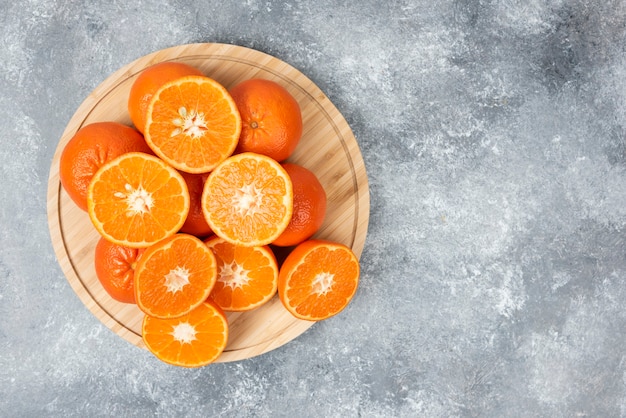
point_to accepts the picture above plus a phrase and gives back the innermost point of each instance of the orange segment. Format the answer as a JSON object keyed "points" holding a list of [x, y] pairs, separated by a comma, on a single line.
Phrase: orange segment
{"points": [[174, 276], [193, 124], [192, 340], [137, 200], [248, 199], [246, 276], [318, 279]]}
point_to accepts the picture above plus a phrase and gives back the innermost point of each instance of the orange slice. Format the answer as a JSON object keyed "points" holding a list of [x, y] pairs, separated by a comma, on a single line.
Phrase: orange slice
{"points": [[248, 199], [192, 123], [174, 276], [246, 276], [192, 340], [136, 200], [318, 279]]}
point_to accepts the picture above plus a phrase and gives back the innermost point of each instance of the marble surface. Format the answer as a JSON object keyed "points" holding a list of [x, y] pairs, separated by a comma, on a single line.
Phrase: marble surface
{"points": [[493, 275]]}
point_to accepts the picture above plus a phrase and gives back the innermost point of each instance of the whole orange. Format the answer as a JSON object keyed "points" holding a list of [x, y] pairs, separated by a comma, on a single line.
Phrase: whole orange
{"points": [[89, 149], [270, 116], [115, 269], [196, 223], [148, 82], [309, 206]]}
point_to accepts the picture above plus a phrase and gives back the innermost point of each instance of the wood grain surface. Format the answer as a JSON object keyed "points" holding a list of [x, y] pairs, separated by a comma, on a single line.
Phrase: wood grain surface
{"points": [[327, 147]]}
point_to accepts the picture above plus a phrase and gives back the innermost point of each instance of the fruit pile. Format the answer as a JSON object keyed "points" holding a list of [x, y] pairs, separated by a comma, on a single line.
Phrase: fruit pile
{"points": [[191, 204]]}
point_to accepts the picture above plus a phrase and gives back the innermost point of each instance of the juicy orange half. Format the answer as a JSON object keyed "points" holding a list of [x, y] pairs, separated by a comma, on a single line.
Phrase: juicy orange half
{"points": [[318, 279], [192, 340], [248, 199], [192, 123], [174, 276], [247, 277], [137, 200]]}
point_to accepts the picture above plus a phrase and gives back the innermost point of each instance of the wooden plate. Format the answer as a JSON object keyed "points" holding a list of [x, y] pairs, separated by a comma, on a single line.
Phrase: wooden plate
{"points": [[327, 147]]}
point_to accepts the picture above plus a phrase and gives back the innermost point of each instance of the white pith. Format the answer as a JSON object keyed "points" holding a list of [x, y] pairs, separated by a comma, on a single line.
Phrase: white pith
{"points": [[184, 332], [176, 279], [138, 200], [233, 275], [323, 283], [247, 200], [190, 123]]}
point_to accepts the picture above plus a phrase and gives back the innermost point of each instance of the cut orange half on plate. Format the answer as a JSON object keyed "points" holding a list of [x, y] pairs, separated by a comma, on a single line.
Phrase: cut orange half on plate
{"points": [[247, 277], [192, 340], [318, 279], [248, 199], [174, 276], [137, 200], [192, 123]]}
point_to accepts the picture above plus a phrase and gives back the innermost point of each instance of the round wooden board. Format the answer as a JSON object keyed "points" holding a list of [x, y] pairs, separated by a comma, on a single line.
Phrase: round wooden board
{"points": [[327, 147]]}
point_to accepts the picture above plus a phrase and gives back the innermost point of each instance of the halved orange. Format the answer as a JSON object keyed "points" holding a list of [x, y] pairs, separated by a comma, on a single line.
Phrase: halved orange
{"points": [[318, 279], [248, 199], [136, 200], [246, 276], [192, 123], [192, 340], [174, 276]]}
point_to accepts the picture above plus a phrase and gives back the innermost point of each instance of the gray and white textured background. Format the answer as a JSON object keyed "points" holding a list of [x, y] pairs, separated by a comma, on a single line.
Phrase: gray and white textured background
{"points": [[494, 272]]}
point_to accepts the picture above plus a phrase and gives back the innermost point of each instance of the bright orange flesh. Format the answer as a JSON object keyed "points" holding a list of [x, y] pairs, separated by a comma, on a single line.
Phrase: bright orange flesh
{"points": [[193, 124], [174, 276], [318, 279], [148, 82], [247, 277], [248, 199], [137, 200], [192, 340], [89, 149]]}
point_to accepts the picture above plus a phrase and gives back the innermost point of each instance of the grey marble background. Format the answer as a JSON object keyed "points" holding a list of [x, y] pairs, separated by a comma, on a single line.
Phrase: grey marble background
{"points": [[493, 276]]}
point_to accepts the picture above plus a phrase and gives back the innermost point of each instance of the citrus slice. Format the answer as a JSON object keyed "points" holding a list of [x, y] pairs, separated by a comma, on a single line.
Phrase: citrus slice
{"points": [[174, 276], [136, 200], [248, 199], [148, 82], [192, 340], [246, 276], [192, 123], [318, 279], [90, 148]]}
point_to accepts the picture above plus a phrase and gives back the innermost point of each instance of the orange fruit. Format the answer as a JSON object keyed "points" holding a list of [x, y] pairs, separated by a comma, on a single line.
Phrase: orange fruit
{"points": [[246, 276], [248, 199], [193, 124], [174, 276], [115, 269], [195, 224], [271, 118], [89, 149], [137, 200], [148, 82], [318, 279], [309, 206], [192, 340]]}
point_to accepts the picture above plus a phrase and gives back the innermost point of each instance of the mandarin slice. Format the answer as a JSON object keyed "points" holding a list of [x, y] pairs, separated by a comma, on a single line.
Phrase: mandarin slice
{"points": [[192, 340], [192, 123], [318, 279], [247, 277], [136, 200], [174, 276], [248, 199]]}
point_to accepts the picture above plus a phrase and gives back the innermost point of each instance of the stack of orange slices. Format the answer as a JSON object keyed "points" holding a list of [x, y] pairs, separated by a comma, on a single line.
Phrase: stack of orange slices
{"points": [[189, 211]]}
